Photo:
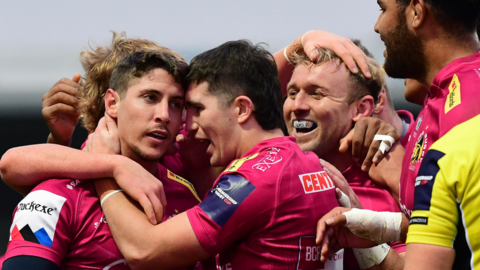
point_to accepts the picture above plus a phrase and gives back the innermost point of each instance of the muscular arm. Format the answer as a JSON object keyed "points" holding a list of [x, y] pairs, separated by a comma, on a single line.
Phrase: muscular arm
{"points": [[22, 168], [393, 261], [423, 256], [146, 246]]}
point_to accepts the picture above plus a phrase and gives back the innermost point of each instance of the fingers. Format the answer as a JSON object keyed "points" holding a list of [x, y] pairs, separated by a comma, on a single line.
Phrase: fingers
{"points": [[110, 124], [51, 111], [158, 208], [336, 221], [64, 85], [60, 98], [346, 142], [358, 141], [360, 59], [77, 77], [148, 209]]}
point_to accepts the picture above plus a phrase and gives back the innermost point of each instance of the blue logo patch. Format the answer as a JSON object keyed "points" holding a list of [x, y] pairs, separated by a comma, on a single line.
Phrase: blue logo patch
{"points": [[222, 201], [425, 179]]}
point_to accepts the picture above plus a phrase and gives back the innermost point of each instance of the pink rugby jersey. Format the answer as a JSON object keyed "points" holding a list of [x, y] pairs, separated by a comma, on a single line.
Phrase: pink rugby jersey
{"points": [[372, 197], [62, 221], [454, 98], [263, 210]]}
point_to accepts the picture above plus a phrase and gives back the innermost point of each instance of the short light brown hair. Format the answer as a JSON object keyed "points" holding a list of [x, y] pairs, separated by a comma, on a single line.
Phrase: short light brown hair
{"points": [[98, 65], [360, 86]]}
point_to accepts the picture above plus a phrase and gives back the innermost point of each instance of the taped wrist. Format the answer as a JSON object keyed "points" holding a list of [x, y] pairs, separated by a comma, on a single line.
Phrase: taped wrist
{"points": [[368, 257], [380, 227]]}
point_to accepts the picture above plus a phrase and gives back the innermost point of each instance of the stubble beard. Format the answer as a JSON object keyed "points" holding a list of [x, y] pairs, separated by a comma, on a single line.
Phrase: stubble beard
{"points": [[405, 53]]}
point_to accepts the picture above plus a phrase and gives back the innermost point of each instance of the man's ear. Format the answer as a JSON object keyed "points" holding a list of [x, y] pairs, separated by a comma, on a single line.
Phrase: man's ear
{"points": [[112, 100], [416, 12], [382, 101], [243, 109], [364, 107]]}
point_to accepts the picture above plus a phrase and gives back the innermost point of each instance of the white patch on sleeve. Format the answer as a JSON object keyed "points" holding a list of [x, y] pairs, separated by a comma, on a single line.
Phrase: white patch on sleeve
{"points": [[39, 210]]}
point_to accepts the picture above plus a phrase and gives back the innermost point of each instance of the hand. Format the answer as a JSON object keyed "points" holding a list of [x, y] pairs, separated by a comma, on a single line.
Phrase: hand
{"points": [[343, 47], [365, 150], [143, 187], [341, 184], [333, 236], [105, 138], [59, 109]]}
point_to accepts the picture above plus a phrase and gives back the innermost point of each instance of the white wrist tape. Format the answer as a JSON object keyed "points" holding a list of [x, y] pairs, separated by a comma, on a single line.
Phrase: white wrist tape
{"points": [[286, 56], [108, 196], [383, 146], [344, 201], [380, 227], [368, 257]]}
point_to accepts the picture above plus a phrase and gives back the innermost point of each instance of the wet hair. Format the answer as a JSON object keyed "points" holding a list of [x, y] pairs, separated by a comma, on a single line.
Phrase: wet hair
{"points": [[98, 65], [138, 64], [238, 68]]}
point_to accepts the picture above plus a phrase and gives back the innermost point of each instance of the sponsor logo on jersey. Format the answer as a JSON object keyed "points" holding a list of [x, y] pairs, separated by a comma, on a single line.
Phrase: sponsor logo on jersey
{"points": [[272, 157], [427, 173], [236, 164], [309, 254], [316, 182], [184, 182], [454, 97], [228, 194], [227, 266], [423, 179], [36, 217], [419, 122], [419, 220], [420, 148], [73, 184], [477, 70]]}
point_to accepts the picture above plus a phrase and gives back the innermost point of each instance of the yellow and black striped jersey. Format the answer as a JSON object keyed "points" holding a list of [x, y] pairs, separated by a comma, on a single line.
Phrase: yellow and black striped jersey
{"points": [[447, 202]]}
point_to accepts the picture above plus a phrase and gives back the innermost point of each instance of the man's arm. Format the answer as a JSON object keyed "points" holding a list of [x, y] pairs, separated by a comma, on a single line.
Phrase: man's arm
{"points": [[22, 168], [423, 256], [393, 261], [144, 245]]}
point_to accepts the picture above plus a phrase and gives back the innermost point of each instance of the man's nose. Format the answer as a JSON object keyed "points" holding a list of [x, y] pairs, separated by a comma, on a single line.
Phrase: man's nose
{"points": [[162, 112]]}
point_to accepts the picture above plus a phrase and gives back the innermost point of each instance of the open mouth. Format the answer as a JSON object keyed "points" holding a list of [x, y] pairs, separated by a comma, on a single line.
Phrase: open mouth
{"points": [[157, 135], [304, 126]]}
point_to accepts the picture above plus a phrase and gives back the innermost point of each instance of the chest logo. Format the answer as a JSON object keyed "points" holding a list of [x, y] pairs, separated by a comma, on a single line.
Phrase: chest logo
{"points": [[454, 97], [420, 148], [316, 182]]}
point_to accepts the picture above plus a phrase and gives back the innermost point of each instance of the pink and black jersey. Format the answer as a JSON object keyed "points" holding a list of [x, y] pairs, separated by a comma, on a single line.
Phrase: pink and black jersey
{"points": [[453, 98], [62, 221], [263, 210], [372, 197]]}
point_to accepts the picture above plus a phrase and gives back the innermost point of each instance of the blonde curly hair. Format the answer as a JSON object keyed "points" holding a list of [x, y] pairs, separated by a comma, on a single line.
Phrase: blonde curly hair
{"points": [[98, 65]]}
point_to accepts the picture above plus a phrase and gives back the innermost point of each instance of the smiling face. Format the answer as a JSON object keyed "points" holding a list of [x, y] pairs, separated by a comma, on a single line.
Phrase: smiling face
{"points": [[210, 121], [404, 55], [149, 116], [316, 110]]}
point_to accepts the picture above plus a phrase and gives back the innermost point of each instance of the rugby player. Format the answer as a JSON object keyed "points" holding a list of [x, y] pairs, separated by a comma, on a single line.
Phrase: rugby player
{"points": [[247, 216], [422, 42], [324, 100], [60, 225]]}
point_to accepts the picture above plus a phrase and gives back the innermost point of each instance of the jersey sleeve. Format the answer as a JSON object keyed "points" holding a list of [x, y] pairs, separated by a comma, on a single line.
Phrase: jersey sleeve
{"points": [[435, 215], [232, 210], [41, 226], [461, 102]]}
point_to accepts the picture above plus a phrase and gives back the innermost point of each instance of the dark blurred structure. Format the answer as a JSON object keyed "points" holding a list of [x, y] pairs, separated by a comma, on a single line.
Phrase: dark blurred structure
{"points": [[17, 131]]}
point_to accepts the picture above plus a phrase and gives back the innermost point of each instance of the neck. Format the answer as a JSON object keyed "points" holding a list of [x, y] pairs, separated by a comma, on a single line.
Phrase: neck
{"points": [[341, 161], [443, 50], [253, 136], [150, 166]]}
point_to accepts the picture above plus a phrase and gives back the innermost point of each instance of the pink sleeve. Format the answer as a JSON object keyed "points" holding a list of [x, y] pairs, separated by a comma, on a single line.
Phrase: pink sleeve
{"points": [[462, 103], [41, 225], [399, 247], [232, 210]]}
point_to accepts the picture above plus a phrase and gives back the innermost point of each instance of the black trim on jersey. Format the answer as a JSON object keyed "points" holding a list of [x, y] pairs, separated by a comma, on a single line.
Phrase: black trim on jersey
{"points": [[425, 179], [28, 262], [463, 255]]}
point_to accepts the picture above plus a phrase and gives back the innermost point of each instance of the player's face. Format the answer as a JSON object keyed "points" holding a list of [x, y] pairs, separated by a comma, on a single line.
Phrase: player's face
{"points": [[404, 55], [150, 115], [211, 122], [316, 110]]}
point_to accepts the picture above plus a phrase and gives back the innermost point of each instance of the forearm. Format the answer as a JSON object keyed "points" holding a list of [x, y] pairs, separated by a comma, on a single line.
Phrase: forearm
{"points": [[144, 245], [393, 261], [27, 166], [423, 256], [285, 69]]}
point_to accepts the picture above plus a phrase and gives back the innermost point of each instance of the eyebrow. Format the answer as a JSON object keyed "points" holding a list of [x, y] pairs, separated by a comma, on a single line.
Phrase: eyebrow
{"points": [[194, 104], [155, 91]]}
